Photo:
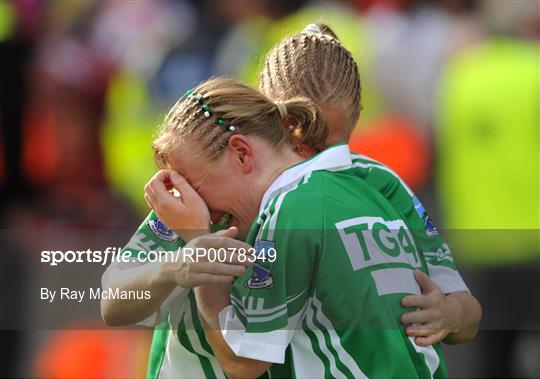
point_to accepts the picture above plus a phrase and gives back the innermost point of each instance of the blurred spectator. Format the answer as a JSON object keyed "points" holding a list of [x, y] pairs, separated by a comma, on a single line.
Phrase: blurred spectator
{"points": [[489, 185], [87, 353], [351, 30], [167, 49], [51, 115], [398, 144], [411, 44], [240, 48], [17, 41], [16, 44]]}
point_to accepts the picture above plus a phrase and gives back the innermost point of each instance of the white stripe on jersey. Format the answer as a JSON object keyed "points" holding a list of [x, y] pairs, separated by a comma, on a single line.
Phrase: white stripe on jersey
{"points": [[395, 280], [307, 364], [262, 315], [343, 355], [430, 355], [334, 371], [274, 217], [260, 311], [282, 192], [384, 168], [196, 343], [179, 362], [268, 347], [447, 279], [255, 320], [440, 257]]}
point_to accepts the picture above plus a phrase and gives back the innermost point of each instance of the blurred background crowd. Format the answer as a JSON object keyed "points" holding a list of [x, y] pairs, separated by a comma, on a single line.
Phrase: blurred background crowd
{"points": [[451, 102]]}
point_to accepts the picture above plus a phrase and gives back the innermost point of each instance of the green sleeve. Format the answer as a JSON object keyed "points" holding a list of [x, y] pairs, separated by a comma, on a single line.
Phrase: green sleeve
{"points": [[436, 252]]}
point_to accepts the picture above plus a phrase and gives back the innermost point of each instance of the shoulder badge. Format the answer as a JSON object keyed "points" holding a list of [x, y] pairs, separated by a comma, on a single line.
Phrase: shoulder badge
{"points": [[261, 274], [162, 231], [431, 229]]}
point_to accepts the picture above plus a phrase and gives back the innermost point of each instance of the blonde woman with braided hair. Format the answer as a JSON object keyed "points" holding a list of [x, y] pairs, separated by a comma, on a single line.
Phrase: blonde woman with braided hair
{"points": [[324, 242], [316, 65]]}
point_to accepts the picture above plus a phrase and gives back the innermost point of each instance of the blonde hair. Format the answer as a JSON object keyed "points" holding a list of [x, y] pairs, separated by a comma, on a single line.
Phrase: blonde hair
{"points": [[235, 108], [314, 64]]}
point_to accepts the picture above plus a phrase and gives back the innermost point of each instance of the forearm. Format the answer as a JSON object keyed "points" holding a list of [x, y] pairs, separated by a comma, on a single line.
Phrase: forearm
{"points": [[211, 300], [472, 313], [147, 277]]}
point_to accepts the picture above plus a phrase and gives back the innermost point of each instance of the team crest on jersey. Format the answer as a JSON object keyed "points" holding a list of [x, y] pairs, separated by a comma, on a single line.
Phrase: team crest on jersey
{"points": [[161, 230], [261, 274], [431, 229]]}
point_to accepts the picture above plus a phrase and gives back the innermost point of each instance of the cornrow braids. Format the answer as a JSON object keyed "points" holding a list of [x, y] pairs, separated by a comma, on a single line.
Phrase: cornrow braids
{"points": [[218, 108], [314, 64], [308, 48]]}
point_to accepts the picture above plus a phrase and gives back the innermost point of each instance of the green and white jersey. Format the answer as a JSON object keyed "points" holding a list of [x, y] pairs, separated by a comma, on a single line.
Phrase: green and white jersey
{"points": [[329, 304], [440, 262], [179, 346], [171, 356]]}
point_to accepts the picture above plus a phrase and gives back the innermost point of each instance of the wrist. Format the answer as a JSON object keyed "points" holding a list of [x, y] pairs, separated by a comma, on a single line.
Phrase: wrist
{"points": [[190, 234], [165, 275], [457, 307]]}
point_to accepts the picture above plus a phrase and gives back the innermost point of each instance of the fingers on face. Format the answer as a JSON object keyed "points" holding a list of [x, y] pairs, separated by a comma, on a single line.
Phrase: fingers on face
{"points": [[158, 194], [148, 189], [163, 176], [151, 193], [158, 186], [181, 184], [148, 200], [230, 233], [153, 201], [160, 183]]}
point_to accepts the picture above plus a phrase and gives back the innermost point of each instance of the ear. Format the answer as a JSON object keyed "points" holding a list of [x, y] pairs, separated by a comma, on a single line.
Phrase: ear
{"points": [[241, 151]]}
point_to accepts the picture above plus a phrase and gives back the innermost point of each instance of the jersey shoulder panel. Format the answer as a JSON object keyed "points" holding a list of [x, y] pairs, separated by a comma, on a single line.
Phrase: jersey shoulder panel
{"points": [[152, 235]]}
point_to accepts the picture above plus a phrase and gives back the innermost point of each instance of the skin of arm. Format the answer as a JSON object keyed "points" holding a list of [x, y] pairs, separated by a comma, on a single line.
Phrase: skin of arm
{"points": [[163, 277], [189, 216], [146, 277], [472, 314], [452, 318], [211, 300]]}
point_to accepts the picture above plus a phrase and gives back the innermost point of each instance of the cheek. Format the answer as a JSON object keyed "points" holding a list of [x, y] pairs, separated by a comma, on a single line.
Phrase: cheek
{"points": [[210, 197], [215, 193], [223, 186]]}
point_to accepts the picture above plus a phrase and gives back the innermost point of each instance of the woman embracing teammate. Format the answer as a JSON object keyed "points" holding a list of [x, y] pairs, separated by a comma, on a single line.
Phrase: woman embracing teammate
{"points": [[355, 287]]}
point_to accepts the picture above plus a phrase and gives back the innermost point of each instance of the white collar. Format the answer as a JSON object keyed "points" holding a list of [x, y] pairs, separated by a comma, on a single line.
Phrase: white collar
{"points": [[336, 156]]}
